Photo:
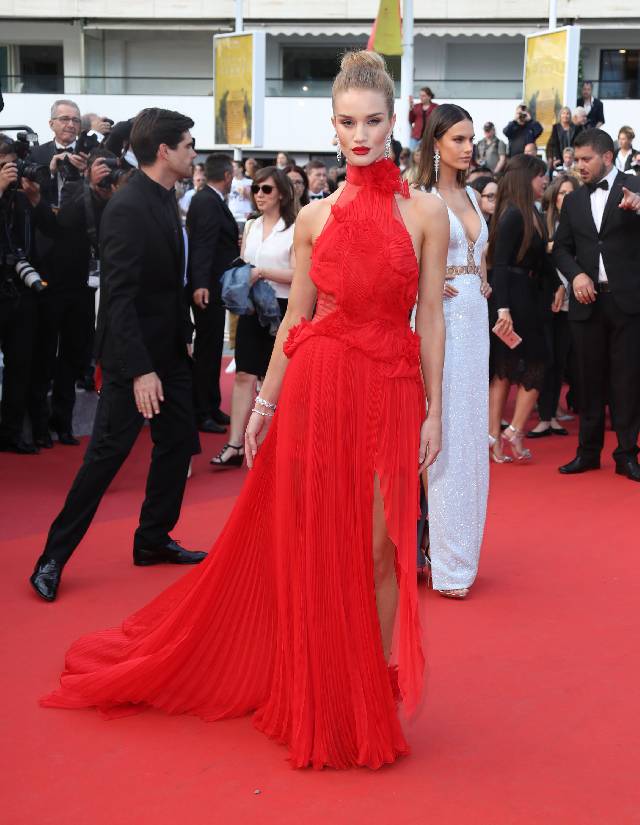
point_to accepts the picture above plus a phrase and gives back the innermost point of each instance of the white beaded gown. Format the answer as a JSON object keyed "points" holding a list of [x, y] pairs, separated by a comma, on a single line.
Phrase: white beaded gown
{"points": [[459, 479]]}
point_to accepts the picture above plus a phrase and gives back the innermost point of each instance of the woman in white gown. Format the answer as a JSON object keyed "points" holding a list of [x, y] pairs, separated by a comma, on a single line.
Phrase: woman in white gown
{"points": [[458, 482]]}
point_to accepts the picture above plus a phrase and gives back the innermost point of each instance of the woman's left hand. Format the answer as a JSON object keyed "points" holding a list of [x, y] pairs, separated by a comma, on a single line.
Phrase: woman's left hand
{"points": [[485, 289], [449, 290], [430, 442]]}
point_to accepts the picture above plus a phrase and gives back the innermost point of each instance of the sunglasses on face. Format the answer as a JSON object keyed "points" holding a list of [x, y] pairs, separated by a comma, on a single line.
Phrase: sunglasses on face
{"points": [[265, 188]]}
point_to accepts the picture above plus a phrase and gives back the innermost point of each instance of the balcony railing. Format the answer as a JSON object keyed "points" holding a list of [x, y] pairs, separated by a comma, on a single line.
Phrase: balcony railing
{"points": [[203, 86]]}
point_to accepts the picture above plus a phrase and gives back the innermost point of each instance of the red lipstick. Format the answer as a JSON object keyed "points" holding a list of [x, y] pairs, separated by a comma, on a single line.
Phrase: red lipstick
{"points": [[361, 150]]}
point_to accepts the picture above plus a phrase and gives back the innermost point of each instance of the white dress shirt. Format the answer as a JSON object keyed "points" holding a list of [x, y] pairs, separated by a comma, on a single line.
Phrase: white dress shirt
{"points": [[599, 198]]}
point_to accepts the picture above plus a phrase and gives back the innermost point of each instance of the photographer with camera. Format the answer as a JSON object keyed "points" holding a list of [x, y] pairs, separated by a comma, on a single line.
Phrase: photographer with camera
{"points": [[59, 154], [67, 310], [22, 210], [79, 217], [522, 130]]}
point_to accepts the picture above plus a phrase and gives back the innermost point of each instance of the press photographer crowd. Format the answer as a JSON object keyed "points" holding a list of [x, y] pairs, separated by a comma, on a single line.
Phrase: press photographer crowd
{"points": [[53, 196]]}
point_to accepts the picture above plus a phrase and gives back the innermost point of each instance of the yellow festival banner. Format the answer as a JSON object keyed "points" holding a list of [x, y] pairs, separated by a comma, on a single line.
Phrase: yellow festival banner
{"points": [[239, 67], [551, 75], [386, 35]]}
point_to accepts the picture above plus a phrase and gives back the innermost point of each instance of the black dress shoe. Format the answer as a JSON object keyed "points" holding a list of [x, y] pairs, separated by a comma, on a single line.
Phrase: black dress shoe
{"points": [[539, 433], [221, 418], [170, 553], [43, 440], [68, 439], [629, 468], [558, 431], [579, 465], [46, 578], [19, 446], [208, 425]]}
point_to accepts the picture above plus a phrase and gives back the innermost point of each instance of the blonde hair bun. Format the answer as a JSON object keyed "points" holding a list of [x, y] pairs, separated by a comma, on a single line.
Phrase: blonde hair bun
{"points": [[364, 70], [354, 61]]}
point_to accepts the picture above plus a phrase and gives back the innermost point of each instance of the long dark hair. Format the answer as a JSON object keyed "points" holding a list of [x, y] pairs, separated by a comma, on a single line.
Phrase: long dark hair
{"points": [[440, 121], [514, 189], [304, 198], [285, 190], [550, 198]]}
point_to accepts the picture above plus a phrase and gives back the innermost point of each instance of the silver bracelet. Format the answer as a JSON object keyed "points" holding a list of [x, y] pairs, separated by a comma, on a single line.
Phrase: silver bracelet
{"points": [[263, 414], [262, 403]]}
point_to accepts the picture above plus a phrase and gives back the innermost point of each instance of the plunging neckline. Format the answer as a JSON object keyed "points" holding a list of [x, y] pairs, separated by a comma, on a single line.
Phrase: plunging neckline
{"points": [[475, 209]]}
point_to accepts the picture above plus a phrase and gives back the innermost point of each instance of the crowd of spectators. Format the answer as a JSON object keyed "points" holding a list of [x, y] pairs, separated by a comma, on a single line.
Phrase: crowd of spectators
{"points": [[51, 200]]}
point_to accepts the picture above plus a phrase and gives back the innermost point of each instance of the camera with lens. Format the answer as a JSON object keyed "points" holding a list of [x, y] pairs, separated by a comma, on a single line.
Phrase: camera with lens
{"points": [[35, 172], [522, 114], [17, 262], [115, 174]]}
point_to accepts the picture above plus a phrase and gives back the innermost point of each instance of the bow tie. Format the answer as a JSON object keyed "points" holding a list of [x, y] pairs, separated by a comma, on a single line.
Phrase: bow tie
{"points": [[316, 197], [604, 184]]}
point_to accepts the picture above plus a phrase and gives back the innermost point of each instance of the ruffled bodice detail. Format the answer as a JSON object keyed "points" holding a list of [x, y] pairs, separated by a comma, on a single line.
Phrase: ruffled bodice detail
{"points": [[365, 267]]}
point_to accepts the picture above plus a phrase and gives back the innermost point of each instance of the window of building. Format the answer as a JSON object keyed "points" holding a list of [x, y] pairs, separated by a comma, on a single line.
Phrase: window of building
{"points": [[306, 65], [619, 73], [41, 68]]}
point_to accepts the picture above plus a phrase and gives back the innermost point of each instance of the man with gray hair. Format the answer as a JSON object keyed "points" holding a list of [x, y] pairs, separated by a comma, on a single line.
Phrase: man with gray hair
{"points": [[65, 308], [60, 153]]}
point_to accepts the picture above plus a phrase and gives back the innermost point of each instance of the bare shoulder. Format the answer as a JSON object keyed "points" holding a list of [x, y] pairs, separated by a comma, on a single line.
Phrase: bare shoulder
{"points": [[311, 218], [428, 206]]}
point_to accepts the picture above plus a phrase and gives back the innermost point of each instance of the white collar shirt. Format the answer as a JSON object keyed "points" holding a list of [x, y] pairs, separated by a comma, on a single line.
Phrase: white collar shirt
{"points": [[599, 198]]}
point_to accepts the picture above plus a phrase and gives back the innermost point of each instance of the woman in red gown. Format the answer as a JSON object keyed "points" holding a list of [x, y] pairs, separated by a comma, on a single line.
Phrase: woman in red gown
{"points": [[291, 617]]}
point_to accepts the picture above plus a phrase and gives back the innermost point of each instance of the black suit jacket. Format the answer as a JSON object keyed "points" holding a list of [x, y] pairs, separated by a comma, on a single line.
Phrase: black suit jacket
{"points": [[213, 239], [578, 245], [555, 141], [143, 320], [596, 115], [629, 161], [42, 154]]}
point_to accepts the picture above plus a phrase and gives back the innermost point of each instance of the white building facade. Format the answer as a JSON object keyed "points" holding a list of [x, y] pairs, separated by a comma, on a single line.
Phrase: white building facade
{"points": [[115, 57]]}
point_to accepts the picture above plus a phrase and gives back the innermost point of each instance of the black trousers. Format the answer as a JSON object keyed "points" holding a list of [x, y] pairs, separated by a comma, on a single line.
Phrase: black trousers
{"points": [[64, 333], [116, 427], [559, 337], [607, 356], [17, 337], [207, 355]]}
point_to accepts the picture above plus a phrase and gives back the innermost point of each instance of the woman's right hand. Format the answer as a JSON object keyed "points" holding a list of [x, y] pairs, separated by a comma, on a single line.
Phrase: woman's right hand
{"points": [[505, 322], [255, 434], [255, 275]]}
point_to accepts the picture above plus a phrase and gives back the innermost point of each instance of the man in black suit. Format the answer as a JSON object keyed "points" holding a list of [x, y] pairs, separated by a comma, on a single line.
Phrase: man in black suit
{"points": [[597, 248], [213, 245], [65, 309], [592, 106], [142, 339]]}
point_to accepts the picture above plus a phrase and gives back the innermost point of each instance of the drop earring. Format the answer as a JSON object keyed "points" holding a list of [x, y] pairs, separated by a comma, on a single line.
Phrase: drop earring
{"points": [[338, 149], [436, 163], [387, 147]]}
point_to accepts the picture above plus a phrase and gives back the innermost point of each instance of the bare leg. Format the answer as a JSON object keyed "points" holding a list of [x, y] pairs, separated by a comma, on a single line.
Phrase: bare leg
{"points": [[384, 571], [498, 392], [244, 388], [525, 402]]}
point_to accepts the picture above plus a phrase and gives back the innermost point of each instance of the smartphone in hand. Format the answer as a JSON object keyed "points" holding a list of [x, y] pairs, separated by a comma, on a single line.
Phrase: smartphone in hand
{"points": [[511, 339]]}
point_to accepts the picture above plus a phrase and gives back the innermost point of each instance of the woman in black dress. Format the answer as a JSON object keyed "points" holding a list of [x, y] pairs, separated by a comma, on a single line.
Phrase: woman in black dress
{"points": [[524, 282]]}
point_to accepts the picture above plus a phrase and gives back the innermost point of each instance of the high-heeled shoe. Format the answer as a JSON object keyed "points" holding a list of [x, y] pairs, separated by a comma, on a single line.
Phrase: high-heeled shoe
{"points": [[513, 438], [462, 593], [232, 461], [499, 458]]}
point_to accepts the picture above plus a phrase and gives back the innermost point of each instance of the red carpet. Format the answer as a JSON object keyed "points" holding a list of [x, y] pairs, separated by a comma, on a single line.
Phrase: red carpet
{"points": [[531, 714]]}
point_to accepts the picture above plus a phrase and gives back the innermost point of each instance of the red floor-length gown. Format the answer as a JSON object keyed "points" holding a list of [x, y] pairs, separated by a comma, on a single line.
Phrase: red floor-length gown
{"points": [[280, 620]]}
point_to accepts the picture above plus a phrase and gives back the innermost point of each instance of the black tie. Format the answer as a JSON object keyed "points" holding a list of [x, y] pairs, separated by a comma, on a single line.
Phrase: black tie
{"points": [[604, 184], [316, 197]]}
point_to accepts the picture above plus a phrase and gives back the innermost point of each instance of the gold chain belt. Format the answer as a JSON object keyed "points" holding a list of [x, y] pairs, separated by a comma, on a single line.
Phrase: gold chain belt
{"points": [[454, 271]]}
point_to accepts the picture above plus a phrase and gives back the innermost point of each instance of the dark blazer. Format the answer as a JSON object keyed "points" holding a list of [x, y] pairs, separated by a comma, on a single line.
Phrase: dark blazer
{"points": [[213, 239], [578, 245], [555, 141], [596, 115], [519, 134], [143, 320]]}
